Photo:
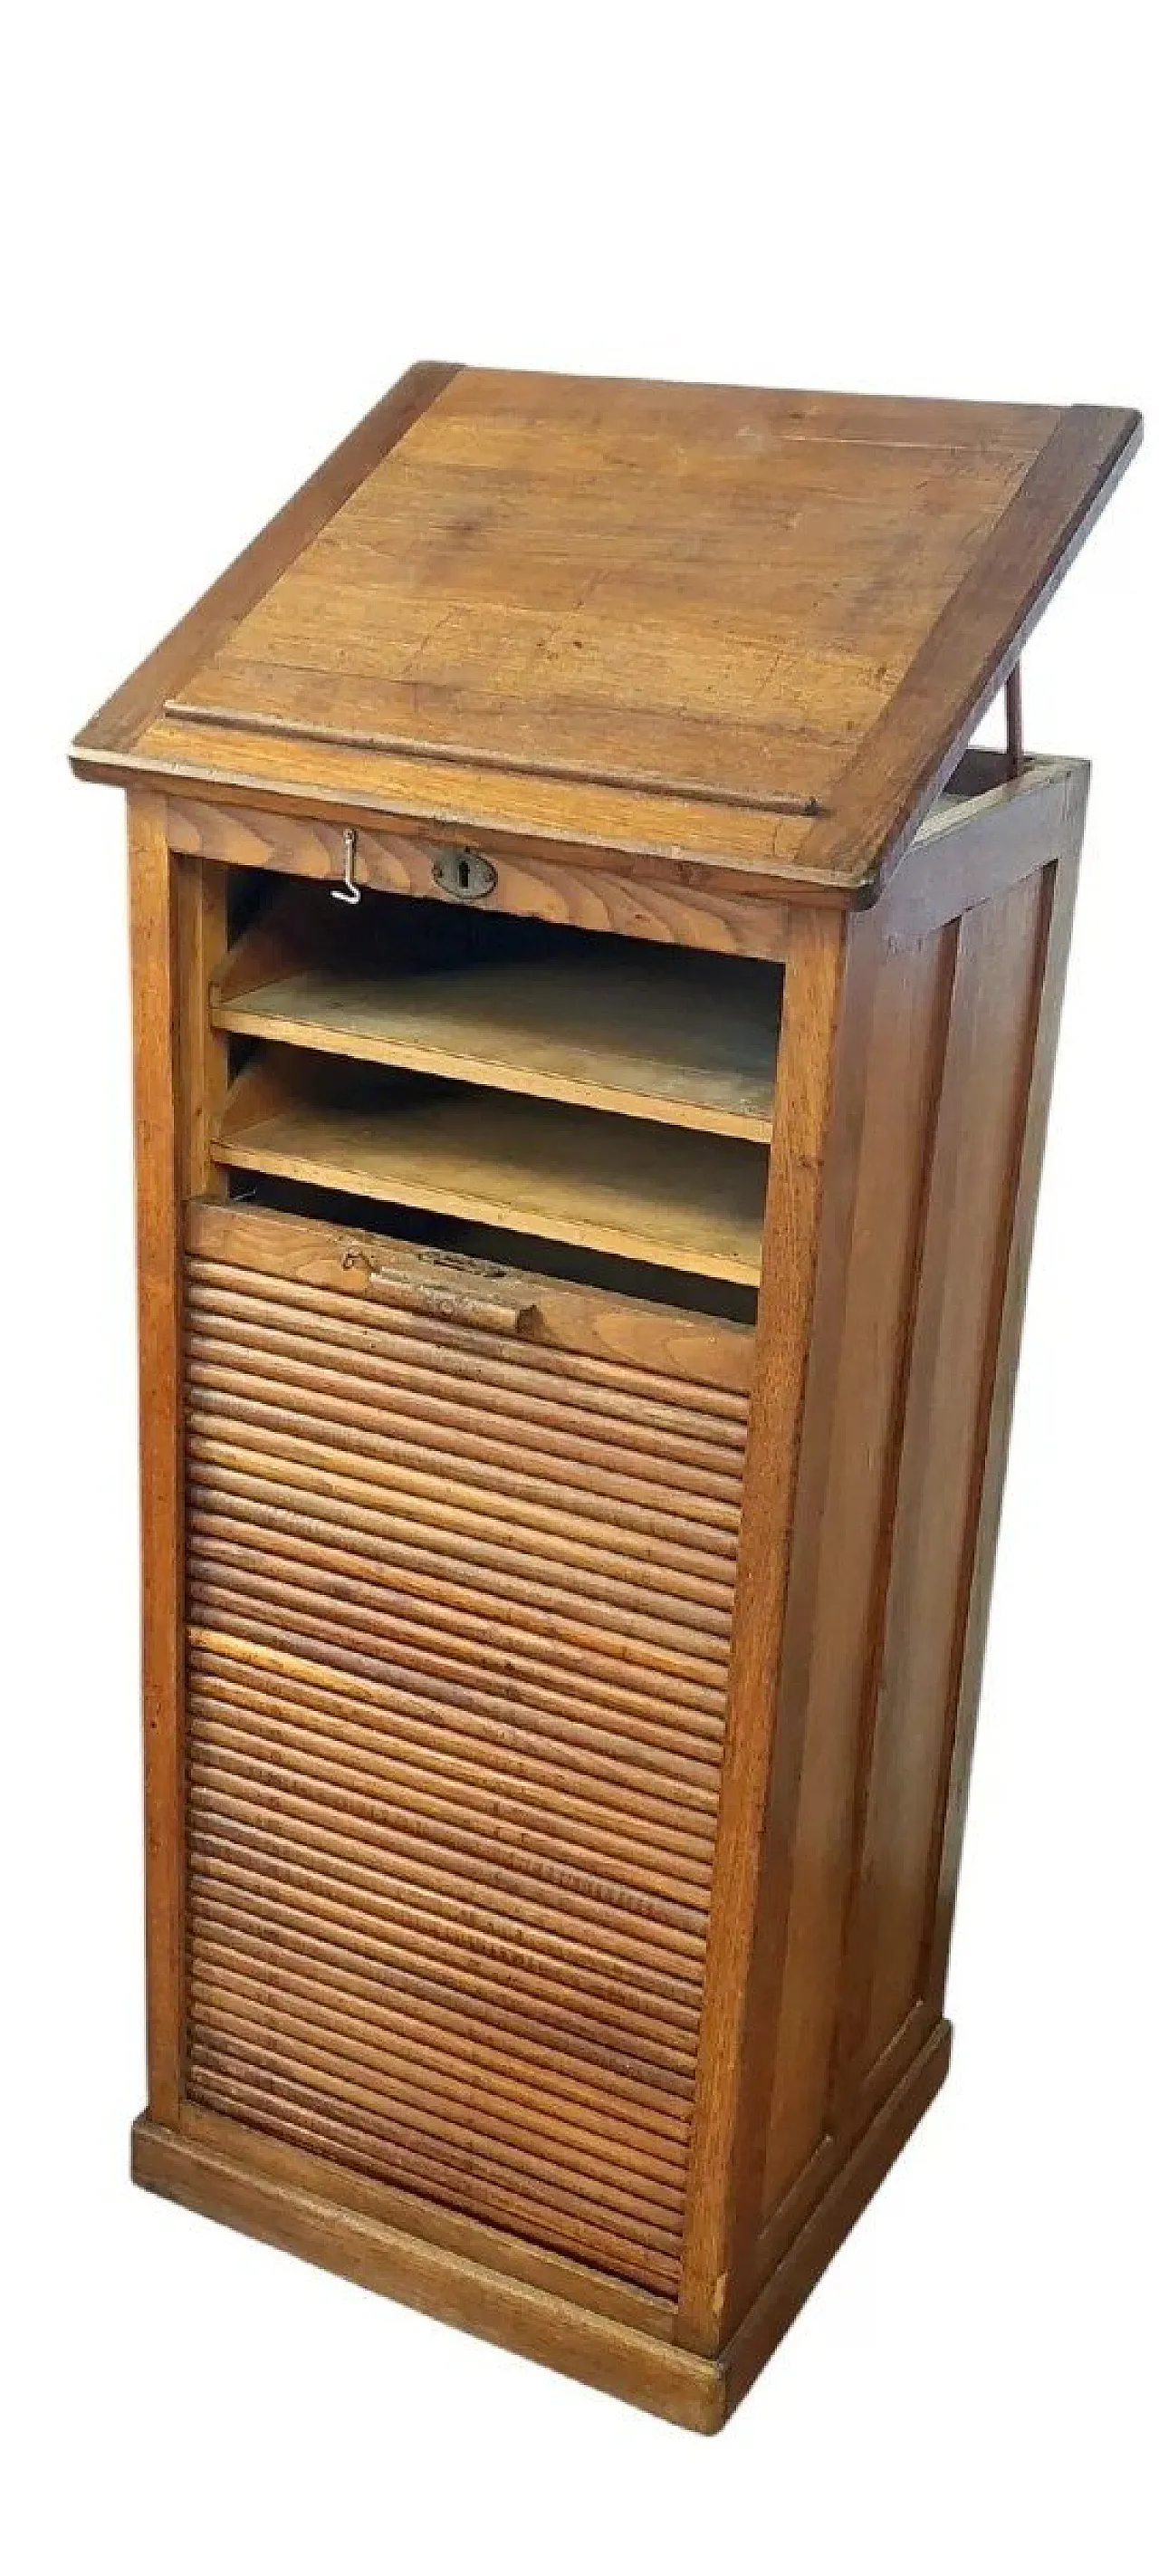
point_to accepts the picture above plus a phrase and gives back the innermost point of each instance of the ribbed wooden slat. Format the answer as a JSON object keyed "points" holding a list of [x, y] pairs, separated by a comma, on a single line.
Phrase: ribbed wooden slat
{"points": [[236, 1597], [280, 1360], [589, 1380], [526, 1737], [424, 2157], [305, 1968], [589, 1920], [589, 2172], [416, 2123], [235, 1530], [442, 1529], [490, 1392], [601, 2023], [532, 1797], [434, 1572], [268, 1627], [363, 1448], [459, 1626], [433, 1904], [461, 1812], [292, 2114], [595, 2158], [432, 1734], [427, 2131]]}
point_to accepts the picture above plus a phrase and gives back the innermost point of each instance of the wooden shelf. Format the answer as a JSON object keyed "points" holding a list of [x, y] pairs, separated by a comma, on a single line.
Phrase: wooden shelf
{"points": [[674, 1036], [669, 1197]]}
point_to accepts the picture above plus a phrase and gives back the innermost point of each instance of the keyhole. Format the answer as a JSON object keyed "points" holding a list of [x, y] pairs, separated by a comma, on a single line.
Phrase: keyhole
{"points": [[463, 873]]}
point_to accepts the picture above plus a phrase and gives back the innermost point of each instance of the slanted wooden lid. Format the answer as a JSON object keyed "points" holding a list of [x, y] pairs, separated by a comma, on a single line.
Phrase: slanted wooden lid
{"points": [[723, 625]]}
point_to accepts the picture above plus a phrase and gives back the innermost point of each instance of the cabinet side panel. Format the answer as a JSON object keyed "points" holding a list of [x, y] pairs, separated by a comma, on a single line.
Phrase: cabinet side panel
{"points": [[153, 932], [902, 1074], [1063, 880], [966, 1238]]}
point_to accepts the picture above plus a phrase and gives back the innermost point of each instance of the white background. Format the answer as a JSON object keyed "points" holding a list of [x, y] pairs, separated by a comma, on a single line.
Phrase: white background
{"points": [[227, 230]]}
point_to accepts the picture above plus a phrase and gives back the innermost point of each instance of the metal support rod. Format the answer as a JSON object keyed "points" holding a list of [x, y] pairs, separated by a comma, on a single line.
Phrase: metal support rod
{"points": [[1015, 753]]}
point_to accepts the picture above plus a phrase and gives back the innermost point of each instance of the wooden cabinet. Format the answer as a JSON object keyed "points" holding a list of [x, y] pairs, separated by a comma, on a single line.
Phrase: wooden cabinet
{"points": [[593, 1032]]}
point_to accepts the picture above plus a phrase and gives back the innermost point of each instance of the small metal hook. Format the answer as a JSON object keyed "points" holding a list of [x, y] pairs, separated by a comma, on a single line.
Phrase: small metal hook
{"points": [[348, 892]]}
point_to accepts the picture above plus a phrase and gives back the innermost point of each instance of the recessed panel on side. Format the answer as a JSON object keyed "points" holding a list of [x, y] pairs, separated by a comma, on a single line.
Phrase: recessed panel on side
{"points": [[902, 1072], [961, 1282]]}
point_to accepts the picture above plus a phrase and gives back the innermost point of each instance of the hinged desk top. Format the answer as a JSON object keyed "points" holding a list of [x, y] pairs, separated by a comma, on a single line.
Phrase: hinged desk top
{"points": [[629, 617]]}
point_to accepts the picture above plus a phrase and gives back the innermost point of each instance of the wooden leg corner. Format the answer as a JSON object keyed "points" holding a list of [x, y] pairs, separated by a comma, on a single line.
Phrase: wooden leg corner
{"points": [[619, 2359], [683, 2387], [784, 2293]]}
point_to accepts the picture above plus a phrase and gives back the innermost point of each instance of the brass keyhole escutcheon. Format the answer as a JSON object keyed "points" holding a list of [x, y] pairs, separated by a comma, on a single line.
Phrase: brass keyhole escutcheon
{"points": [[466, 874]]}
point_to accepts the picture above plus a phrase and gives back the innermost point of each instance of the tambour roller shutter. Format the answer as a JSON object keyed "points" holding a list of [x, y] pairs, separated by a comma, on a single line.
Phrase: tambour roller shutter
{"points": [[459, 1612]]}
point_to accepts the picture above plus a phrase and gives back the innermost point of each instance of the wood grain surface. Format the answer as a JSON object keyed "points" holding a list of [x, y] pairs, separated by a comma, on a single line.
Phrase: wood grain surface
{"points": [[673, 1035], [456, 1694], [707, 620], [531, 1166]]}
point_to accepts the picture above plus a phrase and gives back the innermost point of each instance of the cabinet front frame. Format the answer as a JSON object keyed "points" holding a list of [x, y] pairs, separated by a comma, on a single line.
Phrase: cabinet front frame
{"points": [[179, 939]]}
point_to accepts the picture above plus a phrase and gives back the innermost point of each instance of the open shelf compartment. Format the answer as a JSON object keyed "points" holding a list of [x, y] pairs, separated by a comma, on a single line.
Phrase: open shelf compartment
{"points": [[670, 1197], [675, 1036]]}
